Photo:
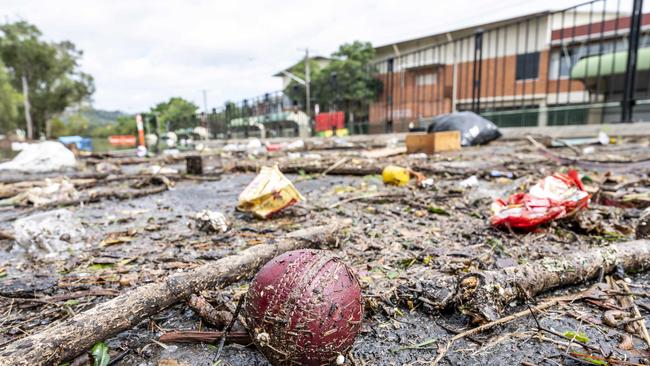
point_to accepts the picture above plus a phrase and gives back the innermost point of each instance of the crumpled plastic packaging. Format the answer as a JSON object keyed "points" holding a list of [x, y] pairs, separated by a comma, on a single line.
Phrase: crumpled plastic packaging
{"points": [[211, 221], [268, 193], [553, 197], [50, 233]]}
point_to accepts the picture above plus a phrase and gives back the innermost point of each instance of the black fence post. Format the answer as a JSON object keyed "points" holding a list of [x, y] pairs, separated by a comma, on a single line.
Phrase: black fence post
{"points": [[388, 127], [477, 71], [630, 71]]}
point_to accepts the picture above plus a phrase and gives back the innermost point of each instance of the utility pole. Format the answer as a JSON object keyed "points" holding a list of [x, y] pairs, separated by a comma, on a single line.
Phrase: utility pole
{"points": [[28, 116], [307, 83], [205, 101]]}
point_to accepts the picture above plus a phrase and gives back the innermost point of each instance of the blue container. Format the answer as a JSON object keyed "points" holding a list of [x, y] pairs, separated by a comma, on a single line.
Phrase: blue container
{"points": [[82, 143]]}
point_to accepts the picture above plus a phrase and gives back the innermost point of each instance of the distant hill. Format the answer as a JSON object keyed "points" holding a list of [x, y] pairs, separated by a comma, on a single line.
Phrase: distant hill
{"points": [[95, 117], [101, 116]]}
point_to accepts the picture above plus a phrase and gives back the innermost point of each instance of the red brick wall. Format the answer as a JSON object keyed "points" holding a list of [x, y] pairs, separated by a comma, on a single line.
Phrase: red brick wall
{"points": [[498, 79]]}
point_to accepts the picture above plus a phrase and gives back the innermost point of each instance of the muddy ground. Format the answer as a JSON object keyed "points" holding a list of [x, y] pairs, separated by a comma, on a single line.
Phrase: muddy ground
{"points": [[399, 234]]}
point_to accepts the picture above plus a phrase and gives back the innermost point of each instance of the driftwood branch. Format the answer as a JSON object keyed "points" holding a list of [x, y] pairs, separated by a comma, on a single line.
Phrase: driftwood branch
{"points": [[67, 339], [484, 295]]}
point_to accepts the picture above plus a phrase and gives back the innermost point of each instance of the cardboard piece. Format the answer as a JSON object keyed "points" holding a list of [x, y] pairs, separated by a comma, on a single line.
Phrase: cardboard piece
{"points": [[431, 143]]}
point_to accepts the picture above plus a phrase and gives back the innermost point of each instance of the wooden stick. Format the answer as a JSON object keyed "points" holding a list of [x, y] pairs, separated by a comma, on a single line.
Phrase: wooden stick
{"points": [[195, 336], [66, 339]]}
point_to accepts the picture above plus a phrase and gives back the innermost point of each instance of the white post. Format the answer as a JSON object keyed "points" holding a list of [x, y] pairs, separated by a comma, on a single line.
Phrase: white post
{"points": [[28, 116]]}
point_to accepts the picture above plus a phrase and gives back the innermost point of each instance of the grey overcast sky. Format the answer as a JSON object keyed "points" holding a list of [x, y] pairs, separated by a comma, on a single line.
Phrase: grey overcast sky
{"points": [[143, 51]]}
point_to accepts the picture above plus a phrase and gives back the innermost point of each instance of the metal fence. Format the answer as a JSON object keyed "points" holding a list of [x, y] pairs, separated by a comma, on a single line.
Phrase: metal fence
{"points": [[247, 117], [586, 64]]}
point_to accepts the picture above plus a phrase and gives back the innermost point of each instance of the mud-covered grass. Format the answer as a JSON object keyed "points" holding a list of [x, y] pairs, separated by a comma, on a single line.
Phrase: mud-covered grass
{"points": [[399, 234]]}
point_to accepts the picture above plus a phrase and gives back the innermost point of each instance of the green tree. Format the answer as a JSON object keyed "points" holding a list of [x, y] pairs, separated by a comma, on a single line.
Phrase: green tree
{"points": [[296, 91], [347, 83], [49, 70], [176, 113], [9, 102]]}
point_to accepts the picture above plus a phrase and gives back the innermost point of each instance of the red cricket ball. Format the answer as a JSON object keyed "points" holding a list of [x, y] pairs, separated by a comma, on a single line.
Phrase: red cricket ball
{"points": [[304, 307]]}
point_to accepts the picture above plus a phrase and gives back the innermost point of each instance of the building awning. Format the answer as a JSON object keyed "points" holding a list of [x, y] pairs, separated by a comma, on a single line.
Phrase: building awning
{"points": [[609, 64]]}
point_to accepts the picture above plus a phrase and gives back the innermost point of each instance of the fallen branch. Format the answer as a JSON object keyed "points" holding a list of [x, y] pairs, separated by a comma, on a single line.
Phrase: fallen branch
{"points": [[207, 312], [484, 295], [69, 338]]}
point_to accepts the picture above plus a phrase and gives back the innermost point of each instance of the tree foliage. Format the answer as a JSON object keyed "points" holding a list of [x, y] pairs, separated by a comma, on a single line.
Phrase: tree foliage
{"points": [[176, 113], [93, 123], [347, 83], [51, 68], [10, 100]]}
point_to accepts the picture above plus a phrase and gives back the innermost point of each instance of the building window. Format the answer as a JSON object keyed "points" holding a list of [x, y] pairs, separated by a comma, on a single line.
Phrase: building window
{"points": [[528, 66], [426, 79]]}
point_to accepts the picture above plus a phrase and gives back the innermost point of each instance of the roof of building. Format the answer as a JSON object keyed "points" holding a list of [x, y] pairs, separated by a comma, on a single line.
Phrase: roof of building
{"points": [[313, 58], [426, 41]]}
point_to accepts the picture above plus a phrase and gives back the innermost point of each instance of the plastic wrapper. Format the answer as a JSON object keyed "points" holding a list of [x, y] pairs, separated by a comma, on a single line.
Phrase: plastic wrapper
{"points": [[268, 193], [554, 197], [49, 234]]}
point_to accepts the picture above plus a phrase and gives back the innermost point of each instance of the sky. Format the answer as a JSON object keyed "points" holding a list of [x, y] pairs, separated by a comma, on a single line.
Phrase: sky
{"points": [[142, 52]]}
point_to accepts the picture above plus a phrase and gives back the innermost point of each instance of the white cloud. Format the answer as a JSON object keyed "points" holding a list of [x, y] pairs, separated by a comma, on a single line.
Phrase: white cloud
{"points": [[143, 52]]}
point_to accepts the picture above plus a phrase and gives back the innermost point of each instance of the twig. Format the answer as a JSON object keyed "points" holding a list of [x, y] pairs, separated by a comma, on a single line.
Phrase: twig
{"points": [[5, 235], [334, 166], [545, 305], [637, 314], [235, 315], [361, 197]]}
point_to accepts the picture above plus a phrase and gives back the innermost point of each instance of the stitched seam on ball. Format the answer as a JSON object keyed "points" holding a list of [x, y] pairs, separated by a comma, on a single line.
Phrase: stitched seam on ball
{"points": [[298, 291], [287, 278], [308, 308]]}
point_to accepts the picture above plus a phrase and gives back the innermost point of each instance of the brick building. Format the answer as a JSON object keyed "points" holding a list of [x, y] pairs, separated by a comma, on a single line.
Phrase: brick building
{"points": [[516, 72]]}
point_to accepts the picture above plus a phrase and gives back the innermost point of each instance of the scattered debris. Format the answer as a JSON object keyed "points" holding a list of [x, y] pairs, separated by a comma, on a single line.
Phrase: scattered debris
{"points": [[54, 190], [469, 182], [554, 197], [50, 233], [433, 142], [157, 169], [211, 221], [194, 165], [107, 168], [396, 175], [268, 193], [474, 129]]}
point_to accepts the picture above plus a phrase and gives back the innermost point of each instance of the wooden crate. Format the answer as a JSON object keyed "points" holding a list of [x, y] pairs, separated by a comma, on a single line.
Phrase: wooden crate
{"points": [[431, 143]]}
